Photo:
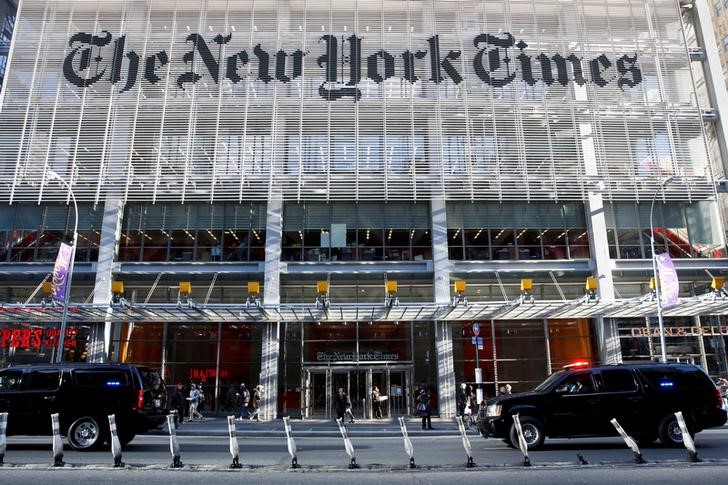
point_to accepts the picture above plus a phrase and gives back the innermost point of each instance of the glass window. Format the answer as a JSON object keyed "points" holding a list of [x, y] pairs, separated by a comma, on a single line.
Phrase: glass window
{"points": [[44, 380], [86, 378], [10, 380], [580, 383], [616, 380]]}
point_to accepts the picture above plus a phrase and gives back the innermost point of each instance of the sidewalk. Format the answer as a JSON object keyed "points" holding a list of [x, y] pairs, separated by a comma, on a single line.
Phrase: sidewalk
{"points": [[217, 426]]}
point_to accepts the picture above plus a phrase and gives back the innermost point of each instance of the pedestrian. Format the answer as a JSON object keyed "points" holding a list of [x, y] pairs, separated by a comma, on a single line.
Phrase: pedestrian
{"points": [[194, 399], [342, 405], [509, 389], [177, 403], [231, 400], [255, 402], [376, 403], [424, 408], [201, 404], [461, 399], [243, 402]]}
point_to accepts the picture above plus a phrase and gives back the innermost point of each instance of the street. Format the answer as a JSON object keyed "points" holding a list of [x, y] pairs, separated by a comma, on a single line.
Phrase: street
{"points": [[379, 450]]}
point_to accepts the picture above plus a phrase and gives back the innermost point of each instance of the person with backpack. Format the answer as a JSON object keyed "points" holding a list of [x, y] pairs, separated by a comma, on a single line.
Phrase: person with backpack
{"points": [[194, 400], [177, 403], [424, 408]]}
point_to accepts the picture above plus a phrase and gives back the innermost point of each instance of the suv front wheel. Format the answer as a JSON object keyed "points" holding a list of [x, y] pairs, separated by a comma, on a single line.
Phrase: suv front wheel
{"points": [[85, 434], [670, 433], [532, 432]]}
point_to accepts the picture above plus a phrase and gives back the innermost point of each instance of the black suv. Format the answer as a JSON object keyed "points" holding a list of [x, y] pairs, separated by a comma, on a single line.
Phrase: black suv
{"points": [[581, 401], [84, 395]]}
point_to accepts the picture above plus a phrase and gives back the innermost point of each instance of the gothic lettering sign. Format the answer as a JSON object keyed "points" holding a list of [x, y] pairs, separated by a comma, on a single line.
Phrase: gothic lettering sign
{"points": [[355, 356], [497, 60], [714, 331]]}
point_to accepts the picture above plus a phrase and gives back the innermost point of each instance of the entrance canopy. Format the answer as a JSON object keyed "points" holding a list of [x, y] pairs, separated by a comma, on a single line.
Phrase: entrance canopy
{"points": [[310, 313]]}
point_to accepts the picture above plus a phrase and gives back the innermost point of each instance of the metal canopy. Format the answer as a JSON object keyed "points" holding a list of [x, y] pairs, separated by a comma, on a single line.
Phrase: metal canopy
{"points": [[309, 313]]}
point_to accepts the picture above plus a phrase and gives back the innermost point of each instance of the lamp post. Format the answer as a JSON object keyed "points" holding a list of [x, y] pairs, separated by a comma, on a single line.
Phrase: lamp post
{"points": [[67, 297], [663, 184]]}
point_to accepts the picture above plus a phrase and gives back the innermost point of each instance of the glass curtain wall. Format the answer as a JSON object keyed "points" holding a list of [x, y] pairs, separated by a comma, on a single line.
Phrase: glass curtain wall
{"points": [[316, 231], [193, 232], [33, 233], [683, 230], [510, 231]]}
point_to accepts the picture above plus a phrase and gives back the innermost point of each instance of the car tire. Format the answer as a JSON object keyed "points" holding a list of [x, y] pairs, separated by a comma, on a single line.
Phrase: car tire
{"points": [[532, 430], [85, 434], [670, 433]]}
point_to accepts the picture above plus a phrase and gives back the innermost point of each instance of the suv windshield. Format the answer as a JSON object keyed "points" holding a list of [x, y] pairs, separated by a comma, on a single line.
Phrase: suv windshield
{"points": [[550, 380]]}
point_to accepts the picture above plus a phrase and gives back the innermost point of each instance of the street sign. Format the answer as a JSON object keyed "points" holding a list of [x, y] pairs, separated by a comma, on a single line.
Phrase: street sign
{"points": [[477, 341], [476, 329]]}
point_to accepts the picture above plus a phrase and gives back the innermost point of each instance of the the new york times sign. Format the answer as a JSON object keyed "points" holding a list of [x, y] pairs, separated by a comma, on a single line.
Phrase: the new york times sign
{"points": [[497, 60]]}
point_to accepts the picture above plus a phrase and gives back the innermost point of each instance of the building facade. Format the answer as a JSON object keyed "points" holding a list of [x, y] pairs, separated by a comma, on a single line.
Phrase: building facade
{"points": [[323, 174]]}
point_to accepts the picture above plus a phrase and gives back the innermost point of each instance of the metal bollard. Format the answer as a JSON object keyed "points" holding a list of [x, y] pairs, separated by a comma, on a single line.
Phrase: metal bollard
{"points": [[173, 445], [234, 446], [291, 444], [3, 432], [687, 439], [466, 442], [347, 444], [57, 443], [522, 445], [408, 448], [115, 444], [629, 441]]}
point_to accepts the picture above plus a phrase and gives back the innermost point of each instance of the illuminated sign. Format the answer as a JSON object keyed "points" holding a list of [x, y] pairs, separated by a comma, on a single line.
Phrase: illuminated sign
{"points": [[355, 356], [34, 338]]}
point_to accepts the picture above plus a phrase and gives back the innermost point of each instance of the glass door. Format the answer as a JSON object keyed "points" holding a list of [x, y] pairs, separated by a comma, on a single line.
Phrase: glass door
{"points": [[318, 401]]}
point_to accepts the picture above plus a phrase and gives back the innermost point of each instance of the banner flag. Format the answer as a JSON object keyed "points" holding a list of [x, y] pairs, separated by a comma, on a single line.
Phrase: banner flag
{"points": [[669, 284], [60, 272]]}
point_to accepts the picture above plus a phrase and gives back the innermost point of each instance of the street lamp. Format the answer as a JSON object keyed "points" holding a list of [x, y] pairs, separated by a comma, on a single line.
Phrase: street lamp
{"points": [[662, 185], [61, 340]]}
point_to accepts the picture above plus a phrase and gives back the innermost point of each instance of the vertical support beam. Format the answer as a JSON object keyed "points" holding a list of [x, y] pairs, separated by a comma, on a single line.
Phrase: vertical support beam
{"points": [[714, 79], [271, 296], [443, 330], [607, 335], [701, 344], [108, 248]]}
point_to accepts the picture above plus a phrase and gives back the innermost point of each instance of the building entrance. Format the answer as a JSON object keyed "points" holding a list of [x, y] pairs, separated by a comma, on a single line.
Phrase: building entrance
{"points": [[322, 384]]}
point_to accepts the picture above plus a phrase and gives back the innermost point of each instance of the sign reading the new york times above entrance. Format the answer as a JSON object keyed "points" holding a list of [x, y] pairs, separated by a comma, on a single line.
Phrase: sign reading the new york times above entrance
{"points": [[355, 356], [497, 61]]}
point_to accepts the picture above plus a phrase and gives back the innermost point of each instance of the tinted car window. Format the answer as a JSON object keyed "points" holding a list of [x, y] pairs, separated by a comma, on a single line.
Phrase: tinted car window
{"points": [[10, 380], [616, 380], [577, 384], [44, 380], [676, 378], [111, 378]]}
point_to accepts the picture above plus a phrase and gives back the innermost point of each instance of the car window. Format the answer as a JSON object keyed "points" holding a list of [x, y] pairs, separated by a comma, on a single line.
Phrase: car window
{"points": [[152, 380], [550, 380], [677, 378], [106, 378], [616, 380], [577, 384], [10, 380], [44, 380]]}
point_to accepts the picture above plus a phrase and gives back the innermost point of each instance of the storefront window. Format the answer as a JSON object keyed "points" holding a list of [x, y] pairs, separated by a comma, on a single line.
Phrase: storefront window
{"points": [[30, 343], [640, 339]]}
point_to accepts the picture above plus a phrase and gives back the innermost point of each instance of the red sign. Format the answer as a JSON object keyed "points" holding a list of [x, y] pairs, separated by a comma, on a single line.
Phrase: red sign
{"points": [[33, 338]]}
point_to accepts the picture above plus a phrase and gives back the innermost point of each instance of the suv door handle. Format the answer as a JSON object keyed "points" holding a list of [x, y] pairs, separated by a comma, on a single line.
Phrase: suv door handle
{"points": [[49, 398]]}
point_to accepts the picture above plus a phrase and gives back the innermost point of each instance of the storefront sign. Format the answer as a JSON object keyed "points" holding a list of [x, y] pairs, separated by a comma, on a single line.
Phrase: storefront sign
{"points": [[33, 338], [355, 356], [497, 60], [715, 331]]}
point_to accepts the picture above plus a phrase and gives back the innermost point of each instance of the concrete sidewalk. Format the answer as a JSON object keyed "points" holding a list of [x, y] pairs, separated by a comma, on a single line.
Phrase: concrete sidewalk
{"points": [[217, 426]]}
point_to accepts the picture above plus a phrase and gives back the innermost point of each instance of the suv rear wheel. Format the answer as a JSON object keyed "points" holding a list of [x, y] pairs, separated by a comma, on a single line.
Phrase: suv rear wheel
{"points": [[670, 433], [85, 434], [532, 432]]}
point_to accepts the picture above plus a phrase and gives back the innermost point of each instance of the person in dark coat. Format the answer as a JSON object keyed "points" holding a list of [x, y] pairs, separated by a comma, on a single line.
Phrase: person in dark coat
{"points": [[341, 403], [424, 408], [177, 403], [376, 403]]}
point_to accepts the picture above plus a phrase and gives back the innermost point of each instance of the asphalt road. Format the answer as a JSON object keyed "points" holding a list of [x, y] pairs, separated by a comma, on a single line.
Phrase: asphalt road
{"points": [[443, 451]]}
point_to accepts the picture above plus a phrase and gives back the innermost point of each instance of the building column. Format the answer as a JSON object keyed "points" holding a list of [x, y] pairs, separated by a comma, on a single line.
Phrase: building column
{"points": [[271, 296], [100, 346], [443, 330]]}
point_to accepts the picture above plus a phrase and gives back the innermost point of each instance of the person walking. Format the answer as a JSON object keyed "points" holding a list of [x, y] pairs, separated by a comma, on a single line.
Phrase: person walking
{"points": [[194, 399], [177, 403], [424, 408], [255, 402], [376, 403], [243, 402], [461, 399], [342, 405]]}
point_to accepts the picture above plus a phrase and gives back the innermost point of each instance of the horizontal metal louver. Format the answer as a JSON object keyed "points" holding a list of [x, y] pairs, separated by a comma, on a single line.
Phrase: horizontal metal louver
{"points": [[350, 100]]}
